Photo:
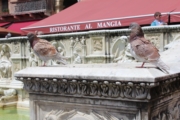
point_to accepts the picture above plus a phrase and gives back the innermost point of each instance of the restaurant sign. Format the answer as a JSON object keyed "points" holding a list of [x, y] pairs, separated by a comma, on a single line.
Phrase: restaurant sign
{"points": [[84, 26], [73, 27]]}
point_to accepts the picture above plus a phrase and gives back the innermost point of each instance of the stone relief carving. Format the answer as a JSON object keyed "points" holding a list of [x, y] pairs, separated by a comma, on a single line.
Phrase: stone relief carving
{"points": [[77, 58], [5, 69], [78, 50], [116, 89], [83, 88], [72, 41], [100, 88], [45, 85], [16, 48], [37, 85], [61, 49], [170, 113], [78, 115], [97, 44], [83, 41], [5, 63], [33, 60], [16, 66], [94, 88], [173, 42], [141, 91], [8, 95], [105, 88], [154, 39], [5, 52], [54, 86], [63, 87], [73, 87], [124, 55]]}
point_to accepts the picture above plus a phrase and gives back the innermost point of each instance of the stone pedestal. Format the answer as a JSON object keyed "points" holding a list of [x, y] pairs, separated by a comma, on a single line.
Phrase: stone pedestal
{"points": [[102, 92]]}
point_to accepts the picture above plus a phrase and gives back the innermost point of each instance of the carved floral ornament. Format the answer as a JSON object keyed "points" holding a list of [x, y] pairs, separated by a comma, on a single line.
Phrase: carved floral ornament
{"points": [[169, 113], [97, 88], [77, 115]]}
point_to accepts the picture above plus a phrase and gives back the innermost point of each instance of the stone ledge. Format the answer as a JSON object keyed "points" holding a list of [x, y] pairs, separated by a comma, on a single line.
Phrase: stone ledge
{"points": [[115, 72], [108, 81]]}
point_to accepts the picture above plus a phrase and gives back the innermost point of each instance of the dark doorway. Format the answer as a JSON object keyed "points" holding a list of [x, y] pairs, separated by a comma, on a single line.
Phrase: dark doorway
{"points": [[68, 3]]}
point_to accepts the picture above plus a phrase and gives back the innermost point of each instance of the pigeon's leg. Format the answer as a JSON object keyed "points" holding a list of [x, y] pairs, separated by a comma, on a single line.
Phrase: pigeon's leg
{"points": [[142, 66], [44, 64]]}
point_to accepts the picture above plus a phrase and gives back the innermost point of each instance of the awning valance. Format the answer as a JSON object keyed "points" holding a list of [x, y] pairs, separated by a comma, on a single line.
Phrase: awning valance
{"points": [[4, 32], [101, 14], [17, 26], [4, 23]]}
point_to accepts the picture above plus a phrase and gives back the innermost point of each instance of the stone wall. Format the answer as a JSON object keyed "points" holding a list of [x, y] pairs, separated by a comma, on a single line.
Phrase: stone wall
{"points": [[91, 47]]}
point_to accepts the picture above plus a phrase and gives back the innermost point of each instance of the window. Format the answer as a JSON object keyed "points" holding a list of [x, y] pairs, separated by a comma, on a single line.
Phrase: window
{"points": [[68, 3], [5, 6]]}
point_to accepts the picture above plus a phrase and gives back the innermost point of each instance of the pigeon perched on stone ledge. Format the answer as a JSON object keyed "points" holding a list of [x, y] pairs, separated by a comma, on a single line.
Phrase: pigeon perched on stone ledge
{"points": [[44, 49], [143, 50], [8, 35]]}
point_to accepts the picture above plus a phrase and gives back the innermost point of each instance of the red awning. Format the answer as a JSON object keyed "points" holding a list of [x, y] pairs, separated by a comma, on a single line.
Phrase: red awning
{"points": [[4, 32], [4, 23], [100, 14], [17, 26]]}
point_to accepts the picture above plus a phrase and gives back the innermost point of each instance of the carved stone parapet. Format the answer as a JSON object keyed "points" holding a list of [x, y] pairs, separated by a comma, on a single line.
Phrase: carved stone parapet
{"points": [[99, 88], [101, 92]]}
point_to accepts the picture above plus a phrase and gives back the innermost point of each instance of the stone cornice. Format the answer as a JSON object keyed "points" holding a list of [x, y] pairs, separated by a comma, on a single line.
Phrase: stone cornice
{"points": [[103, 89], [90, 86]]}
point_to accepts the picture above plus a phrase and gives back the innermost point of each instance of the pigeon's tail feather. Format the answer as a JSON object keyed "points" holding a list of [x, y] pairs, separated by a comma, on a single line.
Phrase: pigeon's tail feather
{"points": [[161, 65], [61, 59]]}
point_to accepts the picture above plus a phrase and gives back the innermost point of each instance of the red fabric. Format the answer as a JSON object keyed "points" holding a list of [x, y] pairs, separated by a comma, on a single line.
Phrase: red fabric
{"points": [[4, 23], [93, 11], [17, 26], [4, 32]]}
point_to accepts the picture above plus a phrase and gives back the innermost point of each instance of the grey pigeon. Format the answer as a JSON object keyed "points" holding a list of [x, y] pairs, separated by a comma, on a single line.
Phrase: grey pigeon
{"points": [[8, 35], [143, 50], [44, 49]]}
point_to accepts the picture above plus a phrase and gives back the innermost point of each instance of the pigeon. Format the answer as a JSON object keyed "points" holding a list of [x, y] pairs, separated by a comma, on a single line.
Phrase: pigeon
{"points": [[143, 50], [44, 49], [8, 35]]}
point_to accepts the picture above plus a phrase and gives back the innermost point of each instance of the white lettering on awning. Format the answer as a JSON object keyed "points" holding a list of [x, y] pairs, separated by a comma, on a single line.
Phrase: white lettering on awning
{"points": [[88, 26], [108, 24], [64, 28]]}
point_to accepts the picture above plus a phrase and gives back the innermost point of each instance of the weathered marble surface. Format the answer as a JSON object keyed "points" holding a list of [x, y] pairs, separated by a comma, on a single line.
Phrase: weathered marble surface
{"points": [[114, 71], [172, 52], [90, 48], [85, 90]]}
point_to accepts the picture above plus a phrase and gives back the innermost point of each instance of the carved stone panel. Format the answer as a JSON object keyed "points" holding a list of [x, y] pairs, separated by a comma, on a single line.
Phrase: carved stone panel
{"points": [[73, 111], [168, 111], [16, 66], [16, 48], [5, 62], [97, 45], [155, 39]]}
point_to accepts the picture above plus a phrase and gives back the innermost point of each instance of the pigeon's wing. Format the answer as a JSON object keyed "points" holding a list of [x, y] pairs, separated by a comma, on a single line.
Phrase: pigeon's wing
{"points": [[45, 48], [145, 49]]}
